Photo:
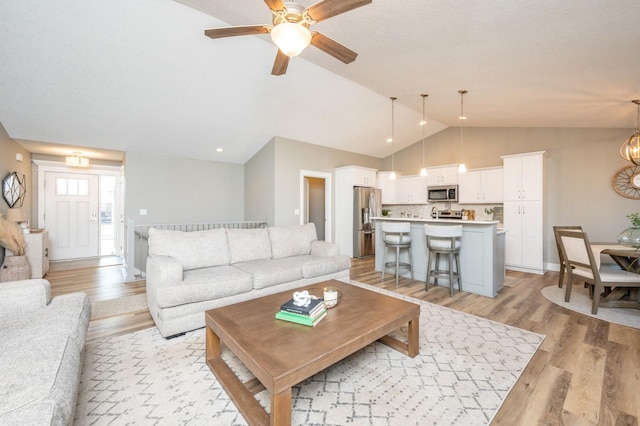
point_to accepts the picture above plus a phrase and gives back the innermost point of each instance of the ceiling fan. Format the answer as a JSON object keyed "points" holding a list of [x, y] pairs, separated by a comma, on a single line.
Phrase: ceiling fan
{"points": [[290, 30]]}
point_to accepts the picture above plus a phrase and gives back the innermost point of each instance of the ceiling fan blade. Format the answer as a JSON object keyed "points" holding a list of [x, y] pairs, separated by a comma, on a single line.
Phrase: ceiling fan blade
{"points": [[275, 4], [328, 8], [281, 64], [333, 48], [236, 31]]}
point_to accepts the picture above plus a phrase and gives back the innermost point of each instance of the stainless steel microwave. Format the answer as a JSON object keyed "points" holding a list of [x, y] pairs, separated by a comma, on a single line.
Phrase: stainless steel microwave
{"points": [[445, 193]]}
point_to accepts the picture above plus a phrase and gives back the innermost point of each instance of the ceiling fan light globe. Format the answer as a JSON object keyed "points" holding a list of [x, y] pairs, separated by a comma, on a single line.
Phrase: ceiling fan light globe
{"points": [[291, 38]]}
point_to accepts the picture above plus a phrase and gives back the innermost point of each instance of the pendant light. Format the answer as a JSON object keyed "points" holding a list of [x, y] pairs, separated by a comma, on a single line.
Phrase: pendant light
{"points": [[630, 150], [423, 123], [392, 175], [461, 167]]}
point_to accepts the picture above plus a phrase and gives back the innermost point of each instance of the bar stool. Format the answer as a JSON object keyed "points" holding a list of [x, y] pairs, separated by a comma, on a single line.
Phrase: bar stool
{"points": [[396, 235], [443, 240]]}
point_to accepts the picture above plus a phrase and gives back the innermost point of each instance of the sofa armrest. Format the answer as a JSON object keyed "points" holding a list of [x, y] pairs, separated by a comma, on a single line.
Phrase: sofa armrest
{"points": [[163, 271], [18, 297], [324, 249]]}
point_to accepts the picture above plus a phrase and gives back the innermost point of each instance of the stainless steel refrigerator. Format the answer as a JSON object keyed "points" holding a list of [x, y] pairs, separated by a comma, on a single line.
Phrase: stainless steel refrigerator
{"points": [[366, 204]]}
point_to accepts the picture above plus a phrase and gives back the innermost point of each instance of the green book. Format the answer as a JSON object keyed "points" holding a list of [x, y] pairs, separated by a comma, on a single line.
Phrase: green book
{"points": [[299, 319]]}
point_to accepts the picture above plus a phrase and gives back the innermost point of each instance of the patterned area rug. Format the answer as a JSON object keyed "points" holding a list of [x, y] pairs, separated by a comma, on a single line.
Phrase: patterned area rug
{"points": [[466, 367]]}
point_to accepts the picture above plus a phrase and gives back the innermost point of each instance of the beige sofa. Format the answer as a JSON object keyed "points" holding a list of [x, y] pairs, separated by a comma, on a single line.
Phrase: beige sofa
{"points": [[191, 272], [41, 353]]}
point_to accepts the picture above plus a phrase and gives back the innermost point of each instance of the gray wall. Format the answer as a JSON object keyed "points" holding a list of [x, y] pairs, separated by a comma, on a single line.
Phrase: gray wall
{"points": [[259, 185], [291, 157], [181, 190], [580, 166]]}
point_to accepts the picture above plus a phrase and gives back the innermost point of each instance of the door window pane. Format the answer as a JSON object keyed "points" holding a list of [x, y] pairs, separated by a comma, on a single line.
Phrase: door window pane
{"points": [[65, 186]]}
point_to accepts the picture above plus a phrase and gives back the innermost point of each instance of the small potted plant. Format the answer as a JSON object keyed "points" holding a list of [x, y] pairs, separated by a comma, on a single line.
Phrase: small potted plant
{"points": [[385, 212], [630, 237]]}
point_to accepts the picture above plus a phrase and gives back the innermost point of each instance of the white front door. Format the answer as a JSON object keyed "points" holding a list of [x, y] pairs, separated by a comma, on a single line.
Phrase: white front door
{"points": [[71, 215]]}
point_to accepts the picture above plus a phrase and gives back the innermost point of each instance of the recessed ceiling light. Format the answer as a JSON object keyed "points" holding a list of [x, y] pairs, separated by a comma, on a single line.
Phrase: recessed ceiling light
{"points": [[219, 149], [389, 140]]}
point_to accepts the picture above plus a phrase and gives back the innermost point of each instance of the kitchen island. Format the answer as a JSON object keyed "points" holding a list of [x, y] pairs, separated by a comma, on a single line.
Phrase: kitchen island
{"points": [[481, 252]]}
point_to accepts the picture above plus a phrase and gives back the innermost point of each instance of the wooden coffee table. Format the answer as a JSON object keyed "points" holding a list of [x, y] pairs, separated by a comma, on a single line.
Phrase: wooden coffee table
{"points": [[281, 354]]}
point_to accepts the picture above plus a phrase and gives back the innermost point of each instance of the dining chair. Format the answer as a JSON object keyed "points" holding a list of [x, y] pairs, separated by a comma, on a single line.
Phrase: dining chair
{"points": [[581, 263], [562, 265]]}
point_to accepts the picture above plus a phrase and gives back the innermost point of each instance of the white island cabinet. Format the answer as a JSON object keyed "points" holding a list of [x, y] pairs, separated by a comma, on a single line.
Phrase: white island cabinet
{"points": [[481, 253]]}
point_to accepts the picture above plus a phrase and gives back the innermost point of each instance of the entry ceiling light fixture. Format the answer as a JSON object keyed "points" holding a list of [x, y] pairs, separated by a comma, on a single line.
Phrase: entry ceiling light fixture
{"points": [[461, 167], [423, 123], [392, 175], [630, 150], [76, 160]]}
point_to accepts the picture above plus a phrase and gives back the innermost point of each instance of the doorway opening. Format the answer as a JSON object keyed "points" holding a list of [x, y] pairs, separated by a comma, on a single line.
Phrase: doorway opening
{"points": [[81, 209], [315, 202]]}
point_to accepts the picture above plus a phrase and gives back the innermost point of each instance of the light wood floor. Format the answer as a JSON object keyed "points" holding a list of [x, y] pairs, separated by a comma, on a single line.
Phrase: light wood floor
{"points": [[587, 371]]}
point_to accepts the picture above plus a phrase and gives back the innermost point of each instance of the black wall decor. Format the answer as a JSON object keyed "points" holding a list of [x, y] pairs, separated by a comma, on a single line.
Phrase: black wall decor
{"points": [[14, 189]]}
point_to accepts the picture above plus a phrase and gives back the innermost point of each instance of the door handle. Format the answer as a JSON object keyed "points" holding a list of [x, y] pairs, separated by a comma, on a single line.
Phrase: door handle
{"points": [[94, 217]]}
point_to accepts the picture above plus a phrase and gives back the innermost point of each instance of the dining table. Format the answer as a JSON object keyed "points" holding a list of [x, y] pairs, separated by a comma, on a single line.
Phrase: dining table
{"points": [[628, 258]]}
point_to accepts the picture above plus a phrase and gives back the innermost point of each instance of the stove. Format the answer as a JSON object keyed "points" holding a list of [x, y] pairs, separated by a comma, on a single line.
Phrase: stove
{"points": [[447, 214]]}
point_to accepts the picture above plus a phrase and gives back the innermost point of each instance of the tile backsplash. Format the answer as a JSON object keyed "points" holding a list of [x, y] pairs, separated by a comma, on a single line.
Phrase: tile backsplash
{"points": [[423, 211]]}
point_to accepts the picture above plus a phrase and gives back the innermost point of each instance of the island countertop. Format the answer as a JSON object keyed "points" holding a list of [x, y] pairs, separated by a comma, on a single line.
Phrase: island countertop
{"points": [[481, 252], [425, 220]]}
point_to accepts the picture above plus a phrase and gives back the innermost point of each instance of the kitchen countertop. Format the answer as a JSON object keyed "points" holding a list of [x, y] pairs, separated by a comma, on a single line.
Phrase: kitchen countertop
{"points": [[499, 226], [417, 219]]}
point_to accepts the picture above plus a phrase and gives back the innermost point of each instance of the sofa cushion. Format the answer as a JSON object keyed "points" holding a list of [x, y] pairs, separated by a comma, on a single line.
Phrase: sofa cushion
{"points": [[289, 241], [267, 273], [205, 284], [315, 266], [40, 378], [44, 346], [246, 245], [197, 249]]}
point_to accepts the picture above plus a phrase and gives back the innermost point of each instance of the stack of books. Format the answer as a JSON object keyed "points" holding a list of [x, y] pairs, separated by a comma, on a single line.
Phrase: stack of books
{"points": [[309, 314]]}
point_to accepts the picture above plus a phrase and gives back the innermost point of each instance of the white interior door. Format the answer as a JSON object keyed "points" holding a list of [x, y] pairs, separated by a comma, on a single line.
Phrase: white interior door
{"points": [[71, 215]]}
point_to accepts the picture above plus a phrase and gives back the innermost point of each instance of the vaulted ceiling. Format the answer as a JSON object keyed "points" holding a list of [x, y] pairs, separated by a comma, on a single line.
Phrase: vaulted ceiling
{"points": [[139, 75]]}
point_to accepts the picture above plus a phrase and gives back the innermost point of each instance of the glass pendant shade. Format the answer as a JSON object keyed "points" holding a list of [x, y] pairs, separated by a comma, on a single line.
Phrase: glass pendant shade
{"points": [[291, 38], [462, 168], [392, 175], [633, 148], [630, 150], [423, 124]]}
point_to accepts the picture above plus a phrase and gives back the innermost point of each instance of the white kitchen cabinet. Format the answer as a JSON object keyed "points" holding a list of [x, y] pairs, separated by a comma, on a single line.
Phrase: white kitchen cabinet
{"points": [[359, 176], [523, 211], [411, 190], [523, 176], [387, 187], [523, 227], [442, 175], [481, 186]]}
